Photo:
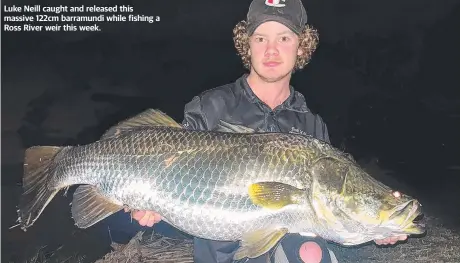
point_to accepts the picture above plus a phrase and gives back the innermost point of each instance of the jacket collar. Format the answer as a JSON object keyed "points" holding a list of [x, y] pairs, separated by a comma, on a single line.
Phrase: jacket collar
{"points": [[295, 101]]}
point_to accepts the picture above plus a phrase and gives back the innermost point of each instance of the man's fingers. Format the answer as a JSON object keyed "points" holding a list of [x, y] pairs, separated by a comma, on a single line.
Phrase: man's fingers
{"points": [[157, 217], [390, 240], [384, 241], [151, 221], [154, 218], [145, 219], [399, 238], [395, 239], [149, 218], [138, 215]]}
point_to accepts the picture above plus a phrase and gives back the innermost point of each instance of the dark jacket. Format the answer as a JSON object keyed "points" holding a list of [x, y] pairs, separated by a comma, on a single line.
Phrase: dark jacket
{"points": [[236, 103]]}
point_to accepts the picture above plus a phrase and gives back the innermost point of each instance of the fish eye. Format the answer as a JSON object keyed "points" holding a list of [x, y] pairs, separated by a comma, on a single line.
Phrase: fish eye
{"points": [[396, 194]]}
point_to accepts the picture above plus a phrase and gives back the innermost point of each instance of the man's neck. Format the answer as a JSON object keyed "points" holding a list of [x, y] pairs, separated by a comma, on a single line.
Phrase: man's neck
{"points": [[271, 93]]}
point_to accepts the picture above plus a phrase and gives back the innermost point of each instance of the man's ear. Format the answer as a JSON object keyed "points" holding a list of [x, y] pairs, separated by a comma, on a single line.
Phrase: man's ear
{"points": [[299, 52]]}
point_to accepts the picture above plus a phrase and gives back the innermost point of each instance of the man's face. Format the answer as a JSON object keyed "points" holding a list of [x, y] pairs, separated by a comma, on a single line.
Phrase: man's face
{"points": [[273, 51]]}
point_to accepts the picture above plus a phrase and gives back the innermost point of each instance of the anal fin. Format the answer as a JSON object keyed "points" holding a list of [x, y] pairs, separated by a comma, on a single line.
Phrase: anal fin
{"points": [[90, 207], [259, 242]]}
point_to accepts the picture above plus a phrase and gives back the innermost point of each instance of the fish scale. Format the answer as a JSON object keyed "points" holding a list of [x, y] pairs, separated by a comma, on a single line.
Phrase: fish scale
{"points": [[230, 184], [150, 169]]}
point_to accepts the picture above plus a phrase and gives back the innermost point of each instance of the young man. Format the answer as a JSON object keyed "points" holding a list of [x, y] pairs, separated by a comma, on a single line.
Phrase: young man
{"points": [[273, 43]]}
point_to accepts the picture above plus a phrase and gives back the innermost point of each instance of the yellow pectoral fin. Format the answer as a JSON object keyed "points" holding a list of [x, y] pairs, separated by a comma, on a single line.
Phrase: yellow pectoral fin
{"points": [[259, 242], [274, 195]]}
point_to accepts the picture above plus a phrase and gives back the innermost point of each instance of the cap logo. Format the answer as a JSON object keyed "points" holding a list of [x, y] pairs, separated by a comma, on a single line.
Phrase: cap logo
{"points": [[275, 3]]}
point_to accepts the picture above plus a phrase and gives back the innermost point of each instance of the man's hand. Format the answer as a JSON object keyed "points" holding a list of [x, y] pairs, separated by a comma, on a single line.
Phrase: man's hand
{"points": [[390, 240], [145, 218]]}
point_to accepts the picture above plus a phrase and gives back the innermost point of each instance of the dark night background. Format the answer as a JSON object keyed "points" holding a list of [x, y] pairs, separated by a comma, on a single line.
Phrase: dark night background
{"points": [[385, 78]]}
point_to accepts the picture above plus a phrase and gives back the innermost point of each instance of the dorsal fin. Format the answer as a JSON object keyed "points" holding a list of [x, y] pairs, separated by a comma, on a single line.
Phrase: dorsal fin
{"points": [[147, 118], [224, 126]]}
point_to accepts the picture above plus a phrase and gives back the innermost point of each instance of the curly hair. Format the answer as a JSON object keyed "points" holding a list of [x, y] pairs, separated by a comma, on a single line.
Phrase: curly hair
{"points": [[308, 41]]}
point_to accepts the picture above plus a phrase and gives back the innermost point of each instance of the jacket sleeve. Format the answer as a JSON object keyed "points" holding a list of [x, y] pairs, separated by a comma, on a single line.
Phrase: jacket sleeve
{"points": [[321, 131], [194, 117]]}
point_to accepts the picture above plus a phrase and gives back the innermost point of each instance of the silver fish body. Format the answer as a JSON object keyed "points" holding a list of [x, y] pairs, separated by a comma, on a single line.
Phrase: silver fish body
{"points": [[196, 180], [216, 185]]}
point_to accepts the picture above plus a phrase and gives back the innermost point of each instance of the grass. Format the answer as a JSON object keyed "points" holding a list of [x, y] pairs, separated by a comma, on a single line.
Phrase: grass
{"points": [[41, 257], [151, 248]]}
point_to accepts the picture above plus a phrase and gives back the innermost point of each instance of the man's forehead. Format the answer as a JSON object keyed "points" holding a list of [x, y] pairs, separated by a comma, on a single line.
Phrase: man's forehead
{"points": [[273, 33], [272, 28]]}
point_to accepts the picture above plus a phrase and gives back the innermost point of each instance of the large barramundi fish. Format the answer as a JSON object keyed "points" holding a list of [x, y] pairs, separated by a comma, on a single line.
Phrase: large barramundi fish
{"points": [[231, 184]]}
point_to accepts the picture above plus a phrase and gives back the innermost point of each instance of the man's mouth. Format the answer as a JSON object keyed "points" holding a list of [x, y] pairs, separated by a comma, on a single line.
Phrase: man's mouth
{"points": [[271, 63]]}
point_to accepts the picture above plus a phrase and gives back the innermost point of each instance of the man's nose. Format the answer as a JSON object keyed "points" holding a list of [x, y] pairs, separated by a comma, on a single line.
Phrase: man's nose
{"points": [[272, 49]]}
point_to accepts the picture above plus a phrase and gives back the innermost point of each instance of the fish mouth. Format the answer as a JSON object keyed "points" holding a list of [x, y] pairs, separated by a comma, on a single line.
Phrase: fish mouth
{"points": [[410, 218]]}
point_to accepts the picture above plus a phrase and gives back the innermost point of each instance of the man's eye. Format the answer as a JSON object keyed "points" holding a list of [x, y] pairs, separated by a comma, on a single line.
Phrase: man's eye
{"points": [[284, 39]]}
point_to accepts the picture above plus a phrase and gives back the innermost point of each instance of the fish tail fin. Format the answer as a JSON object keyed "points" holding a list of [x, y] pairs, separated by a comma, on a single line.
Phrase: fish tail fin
{"points": [[37, 193]]}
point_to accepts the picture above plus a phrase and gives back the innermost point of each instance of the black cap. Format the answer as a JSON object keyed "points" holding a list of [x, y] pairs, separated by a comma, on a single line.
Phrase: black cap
{"points": [[290, 13]]}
